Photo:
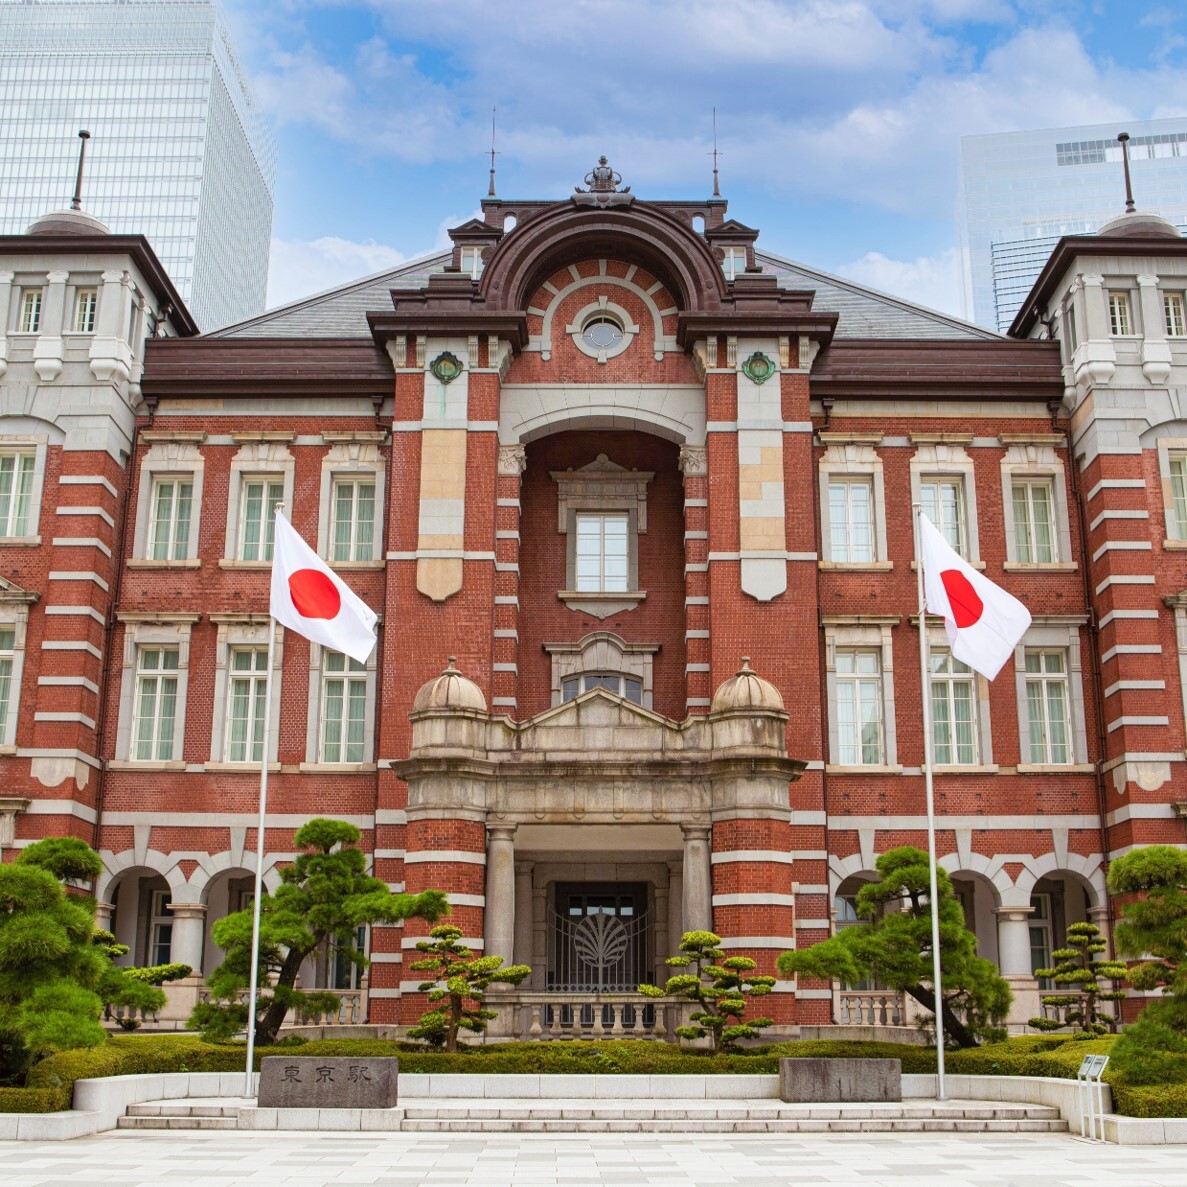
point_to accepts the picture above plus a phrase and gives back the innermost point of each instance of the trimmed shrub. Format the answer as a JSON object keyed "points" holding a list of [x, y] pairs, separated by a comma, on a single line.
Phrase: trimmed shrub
{"points": [[1169, 1100], [34, 1100]]}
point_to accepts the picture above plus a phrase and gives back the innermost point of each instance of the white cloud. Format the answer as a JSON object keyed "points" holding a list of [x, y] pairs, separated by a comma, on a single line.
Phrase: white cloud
{"points": [[300, 269], [931, 281]]}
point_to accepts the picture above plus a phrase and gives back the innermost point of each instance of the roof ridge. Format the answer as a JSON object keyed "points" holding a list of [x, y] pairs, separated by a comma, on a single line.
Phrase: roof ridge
{"points": [[865, 291], [412, 265]]}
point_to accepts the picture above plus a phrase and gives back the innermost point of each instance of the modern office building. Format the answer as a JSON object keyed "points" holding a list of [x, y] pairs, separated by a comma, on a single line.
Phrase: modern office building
{"points": [[632, 495], [1021, 191], [179, 149]]}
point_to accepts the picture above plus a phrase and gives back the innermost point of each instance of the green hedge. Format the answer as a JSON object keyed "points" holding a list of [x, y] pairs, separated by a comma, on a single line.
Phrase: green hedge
{"points": [[34, 1100], [1162, 1100]]}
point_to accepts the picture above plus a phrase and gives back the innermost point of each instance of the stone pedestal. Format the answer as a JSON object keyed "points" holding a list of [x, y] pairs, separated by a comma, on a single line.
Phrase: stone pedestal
{"points": [[309, 1082], [810, 1081]]}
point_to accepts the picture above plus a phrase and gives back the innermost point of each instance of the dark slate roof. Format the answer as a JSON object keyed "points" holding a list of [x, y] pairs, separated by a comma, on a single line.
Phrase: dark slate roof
{"points": [[865, 313]]}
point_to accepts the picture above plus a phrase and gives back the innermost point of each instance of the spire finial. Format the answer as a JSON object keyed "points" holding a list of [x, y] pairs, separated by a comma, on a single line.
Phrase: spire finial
{"points": [[1123, 138], [715, 154], [490, 193], [76, 201]]}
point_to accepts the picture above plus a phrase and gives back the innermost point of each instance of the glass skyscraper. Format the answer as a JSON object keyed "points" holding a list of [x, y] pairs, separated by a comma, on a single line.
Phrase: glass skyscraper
{"points": [[1020, 191], [179, 149]]}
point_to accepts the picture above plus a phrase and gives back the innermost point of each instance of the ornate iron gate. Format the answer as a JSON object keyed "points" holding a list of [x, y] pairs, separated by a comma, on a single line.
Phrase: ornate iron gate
{"points": [[599, 939]]}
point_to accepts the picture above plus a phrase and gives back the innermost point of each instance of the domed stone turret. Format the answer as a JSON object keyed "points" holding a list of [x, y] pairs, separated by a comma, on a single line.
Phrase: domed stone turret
{"points": [[450, 690], [67, 222], [1138, 224], [746, 690]]}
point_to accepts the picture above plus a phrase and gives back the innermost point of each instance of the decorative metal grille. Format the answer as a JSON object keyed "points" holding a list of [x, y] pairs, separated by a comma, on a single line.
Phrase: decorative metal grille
{"points": [[598, 952]]}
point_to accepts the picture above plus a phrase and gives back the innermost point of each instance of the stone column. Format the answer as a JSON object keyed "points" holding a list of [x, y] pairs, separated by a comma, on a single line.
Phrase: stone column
{"points": [[1013, 958], [189, 933], [499, 930], [698, 881], [6, 279], [49, 351], [104, 912], [523, 912], [675, 906]]}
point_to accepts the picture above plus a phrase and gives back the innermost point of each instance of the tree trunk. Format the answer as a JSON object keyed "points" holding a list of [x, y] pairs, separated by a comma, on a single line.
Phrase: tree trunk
{"points": [[269, 1026], [455, 1019], [953, 1027]]}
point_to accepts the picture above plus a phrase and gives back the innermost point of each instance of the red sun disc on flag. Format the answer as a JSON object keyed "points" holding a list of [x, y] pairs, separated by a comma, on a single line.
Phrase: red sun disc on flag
{"points": [[967, 606], [314, 594]]}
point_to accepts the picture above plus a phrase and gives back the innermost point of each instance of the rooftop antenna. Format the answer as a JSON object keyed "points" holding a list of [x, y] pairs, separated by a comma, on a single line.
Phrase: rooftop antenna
{"points": [[1123, 137], [715, 154], [490, 193], [76, 201]]}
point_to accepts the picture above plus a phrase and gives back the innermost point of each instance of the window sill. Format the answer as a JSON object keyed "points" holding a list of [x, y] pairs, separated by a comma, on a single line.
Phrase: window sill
{"points": [[1038, 768], [144, 563], [863, 769], [348, 565], [1040, 567], [243, 768], [5, 751], [226, 563], [338, 768], [19, 541], [965, 768], [601, 604], [1169, 545], [856, 566], [127, 764]]}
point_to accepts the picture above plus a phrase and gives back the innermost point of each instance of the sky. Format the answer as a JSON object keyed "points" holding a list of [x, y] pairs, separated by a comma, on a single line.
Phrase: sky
{"points": [[838, 121]]}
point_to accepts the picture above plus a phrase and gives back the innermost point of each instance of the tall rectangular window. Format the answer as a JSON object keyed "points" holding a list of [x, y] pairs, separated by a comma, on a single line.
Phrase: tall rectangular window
{"points": [[1120, 322], [86, 303], [160, 940], [472, 262], [953, 710], [29, 320], [851, 521], [734, 262], [1177, 528], [353, 502], [943, 504], [344, 708], [859, 708], [248, 676], [169, 531], [8, 694], [602, 553], [258, 499], [1172, 310], [16, 492], [1034, 530], [156, 703], [1047, 707]]}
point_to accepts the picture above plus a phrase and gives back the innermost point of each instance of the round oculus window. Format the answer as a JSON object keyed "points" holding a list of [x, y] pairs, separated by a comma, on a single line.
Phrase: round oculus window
{"points": [[602, 333]]}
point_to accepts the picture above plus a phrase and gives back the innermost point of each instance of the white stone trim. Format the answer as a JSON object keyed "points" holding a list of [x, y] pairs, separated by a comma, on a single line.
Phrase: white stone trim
{"points": [[461, 856], [163, 459], [350, 459], [868, 635], [14, 613], [266, 459], [1043, 462], [602, 651], [766, 899], [942, 460], [1053, 635], [314, 712], [734, 855], [165, 630], [860, 461], [38, 445]]}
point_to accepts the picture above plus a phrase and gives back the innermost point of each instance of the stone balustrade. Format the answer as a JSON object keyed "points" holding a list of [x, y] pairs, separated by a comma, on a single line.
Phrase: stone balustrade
{"points": [[870, 1007], [556, 1015]]}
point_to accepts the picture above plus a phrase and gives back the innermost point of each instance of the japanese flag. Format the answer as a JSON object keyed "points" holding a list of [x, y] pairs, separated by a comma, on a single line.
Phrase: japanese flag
{"points": [[984, 623], [309, 598]]}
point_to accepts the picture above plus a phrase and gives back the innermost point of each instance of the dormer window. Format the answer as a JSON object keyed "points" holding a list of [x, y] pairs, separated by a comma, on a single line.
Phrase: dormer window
{"points": [[624, 686], [471, 261], [734, 262], [602, 659]]}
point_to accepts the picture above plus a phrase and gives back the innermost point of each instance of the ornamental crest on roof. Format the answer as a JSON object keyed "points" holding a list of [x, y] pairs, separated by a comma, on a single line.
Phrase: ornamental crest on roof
{"points": [[603, 185]]}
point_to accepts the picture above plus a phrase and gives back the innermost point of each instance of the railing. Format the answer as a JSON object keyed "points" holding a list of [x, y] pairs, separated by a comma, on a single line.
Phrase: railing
{"points": [[870, 1007], [351, 1011], [543, 1016]]}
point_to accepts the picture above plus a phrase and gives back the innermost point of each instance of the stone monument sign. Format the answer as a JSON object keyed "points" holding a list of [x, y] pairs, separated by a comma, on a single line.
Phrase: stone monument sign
{"points": [[309, 1082]]}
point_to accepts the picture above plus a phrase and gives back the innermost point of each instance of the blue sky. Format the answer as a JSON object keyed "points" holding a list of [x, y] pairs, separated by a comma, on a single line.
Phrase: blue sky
{"points": [[839, 121]]}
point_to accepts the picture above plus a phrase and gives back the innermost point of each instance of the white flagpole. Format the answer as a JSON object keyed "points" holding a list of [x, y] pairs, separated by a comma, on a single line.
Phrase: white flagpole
{"points": [[273, 626], [925, 678]]}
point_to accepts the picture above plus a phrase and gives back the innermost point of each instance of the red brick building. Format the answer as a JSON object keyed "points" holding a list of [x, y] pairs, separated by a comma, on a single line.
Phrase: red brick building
{"points": [[599, 453]]}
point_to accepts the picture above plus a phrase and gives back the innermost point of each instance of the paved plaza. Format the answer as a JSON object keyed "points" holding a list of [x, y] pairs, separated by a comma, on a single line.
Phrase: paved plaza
{"points": [[613, 1160]]}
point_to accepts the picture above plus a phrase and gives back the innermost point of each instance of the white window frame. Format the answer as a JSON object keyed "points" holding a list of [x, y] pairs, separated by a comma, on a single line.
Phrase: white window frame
{"points": [[602, 487], [1174, 314], [180, 488], [733, 261], [868, 633], [241, 632], [352, 456], [854, 679], [152, 629], [318, 674], [15, 604], [262, 457], [1119, 309], [853, 458], [602, 651], [86, 300], [847, 486], [38, 447], [949, 461], [30, 309], [470, 260], [253, 672], [170, 457], [159, 672], [937, 641], [1035, 458], [1171, 449], [1053, 633]]}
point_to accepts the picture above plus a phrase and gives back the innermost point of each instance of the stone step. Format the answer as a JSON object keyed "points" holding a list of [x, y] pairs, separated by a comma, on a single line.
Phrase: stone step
{"points": [[721, 1111], [159, 1122], [181, 1108], [716, 1125]]}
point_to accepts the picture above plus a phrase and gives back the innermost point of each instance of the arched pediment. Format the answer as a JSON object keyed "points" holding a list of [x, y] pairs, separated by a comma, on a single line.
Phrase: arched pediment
{"points": [[638, 234]]}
